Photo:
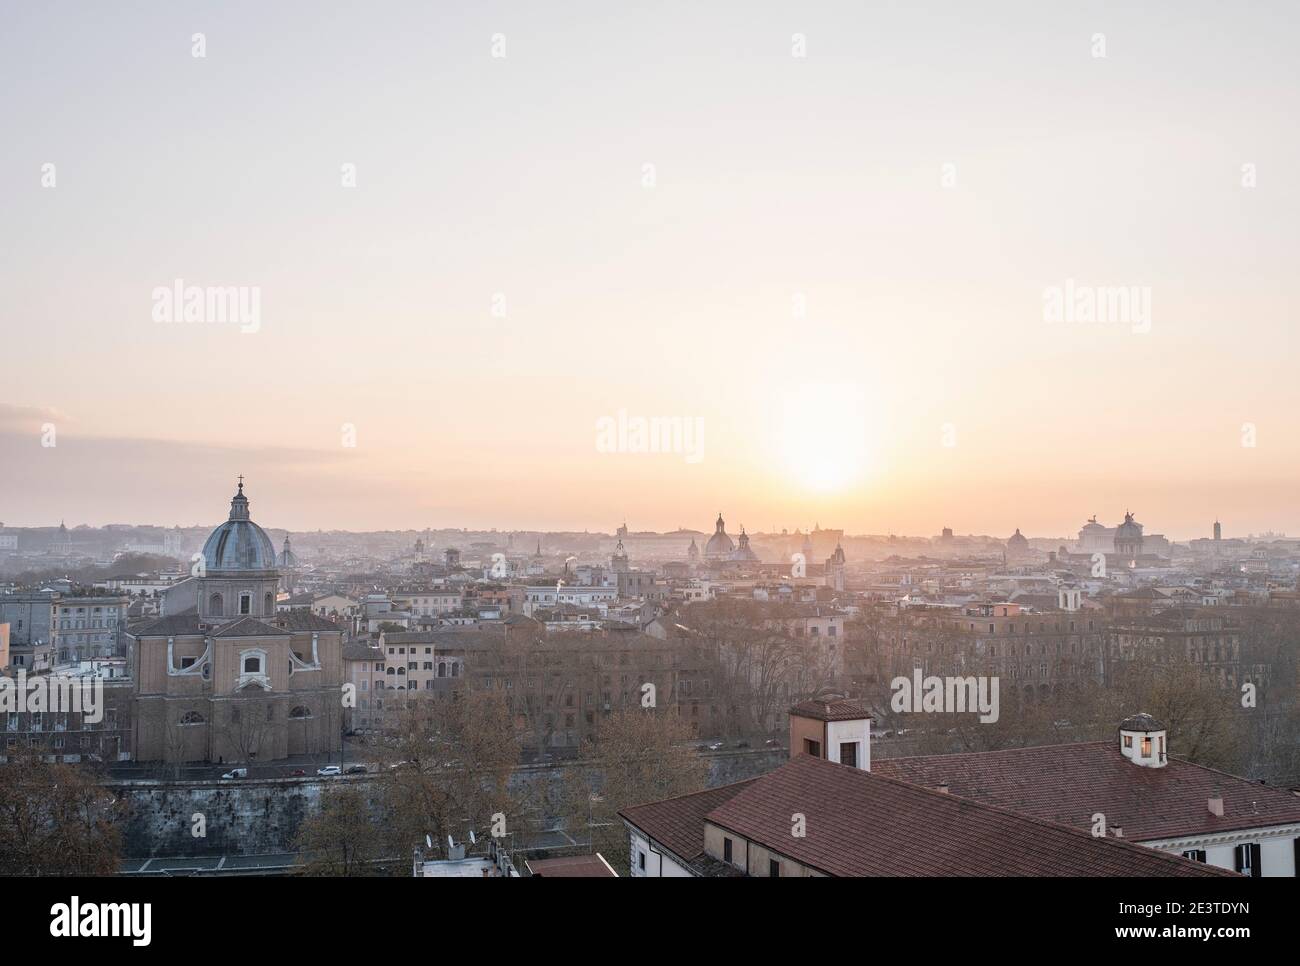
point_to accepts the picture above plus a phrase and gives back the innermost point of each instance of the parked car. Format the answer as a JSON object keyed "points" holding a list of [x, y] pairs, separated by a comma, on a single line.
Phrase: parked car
{"points": [[355, 770], [235, 773], [297, 773], [329, 771], [714, 746]]}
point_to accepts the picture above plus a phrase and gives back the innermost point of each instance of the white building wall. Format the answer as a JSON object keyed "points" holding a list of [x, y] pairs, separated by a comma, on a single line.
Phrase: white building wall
{"points": [[841, 732], [657, 864], [1277, 848]]}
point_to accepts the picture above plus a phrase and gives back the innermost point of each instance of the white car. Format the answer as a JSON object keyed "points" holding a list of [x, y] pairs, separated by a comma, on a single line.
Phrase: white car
{"points": [[235, 773], [329, 771]]}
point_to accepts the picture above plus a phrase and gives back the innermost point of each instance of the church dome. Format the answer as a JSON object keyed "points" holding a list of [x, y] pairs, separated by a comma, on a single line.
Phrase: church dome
{"points": [[743, 553], [239, 543], [288, 560], [1017, 540], [720, 545], [1129, 528]]}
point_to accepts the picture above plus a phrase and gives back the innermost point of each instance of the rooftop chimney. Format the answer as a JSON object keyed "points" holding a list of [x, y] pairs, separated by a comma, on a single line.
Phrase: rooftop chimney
{"points": [[1216, 806]]}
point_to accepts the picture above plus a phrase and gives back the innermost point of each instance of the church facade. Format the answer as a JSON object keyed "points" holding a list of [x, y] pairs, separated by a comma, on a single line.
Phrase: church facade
{"points": [[222, 677]]}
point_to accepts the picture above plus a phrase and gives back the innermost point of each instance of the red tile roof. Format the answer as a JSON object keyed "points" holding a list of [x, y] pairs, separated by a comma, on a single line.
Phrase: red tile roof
{"points": [[572, 867], [678, 823], [1069, 783], [864, 824], [835, 709]]}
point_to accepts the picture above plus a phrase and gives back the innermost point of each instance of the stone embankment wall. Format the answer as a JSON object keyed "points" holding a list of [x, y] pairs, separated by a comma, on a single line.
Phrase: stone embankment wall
{"points": [[262, 816]]}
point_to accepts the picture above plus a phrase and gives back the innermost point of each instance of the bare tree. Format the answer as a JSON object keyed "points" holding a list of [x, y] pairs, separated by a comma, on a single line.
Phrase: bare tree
{"points": [[636, 757], [449, 766], [56, 818], [343, 839]]}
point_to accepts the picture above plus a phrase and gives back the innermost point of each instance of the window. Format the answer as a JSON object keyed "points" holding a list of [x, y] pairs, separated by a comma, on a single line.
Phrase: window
{"points": [[813, 748], [640, 860], [1128, 741], [849, 753], [1247, 859], [246, 603], [1196, 855], [774, 868], [726, 849], [1146, 747], [253, 664], [215, 607]]}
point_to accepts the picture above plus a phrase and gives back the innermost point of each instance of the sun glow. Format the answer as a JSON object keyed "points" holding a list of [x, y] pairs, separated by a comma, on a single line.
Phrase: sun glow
{"points": [[827, 441]]}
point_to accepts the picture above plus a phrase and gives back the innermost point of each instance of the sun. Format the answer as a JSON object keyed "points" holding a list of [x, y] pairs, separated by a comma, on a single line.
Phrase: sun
{"points": [[826, 438]]}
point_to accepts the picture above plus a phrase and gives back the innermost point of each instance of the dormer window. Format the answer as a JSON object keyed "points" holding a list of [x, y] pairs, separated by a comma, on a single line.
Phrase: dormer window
{"points": [[1146, 747], [1128, 741]]}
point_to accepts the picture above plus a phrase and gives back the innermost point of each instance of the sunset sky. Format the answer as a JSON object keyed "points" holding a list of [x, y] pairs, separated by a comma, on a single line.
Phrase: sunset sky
{"points": [[866, 346]]}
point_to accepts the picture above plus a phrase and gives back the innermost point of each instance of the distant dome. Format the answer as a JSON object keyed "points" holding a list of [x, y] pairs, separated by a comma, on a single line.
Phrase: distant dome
{"points": [[288, 560], [1129, 528], [239, 543], [720, 545], [1017, 539], [743, 553]]}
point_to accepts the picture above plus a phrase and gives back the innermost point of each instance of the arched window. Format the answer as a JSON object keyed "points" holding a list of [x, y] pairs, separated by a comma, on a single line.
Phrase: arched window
{"points": [[391, 670], [215, 606], [300, 712], [192, 718], [455, 670], [268, 608], [442, 669]]}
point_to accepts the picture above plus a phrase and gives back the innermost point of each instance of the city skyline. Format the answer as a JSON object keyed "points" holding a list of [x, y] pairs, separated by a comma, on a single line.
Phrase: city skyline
{"points": [[734, 525]]}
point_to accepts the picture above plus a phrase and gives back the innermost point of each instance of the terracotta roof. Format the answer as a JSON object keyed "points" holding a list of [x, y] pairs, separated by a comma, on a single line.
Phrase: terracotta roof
{"points": [[1141, 722], [250, 627], [362, 652], [678, 823], [863, 824], [833, 709], [301, 620], [572, 867], [177, 625], [1069, 783]]}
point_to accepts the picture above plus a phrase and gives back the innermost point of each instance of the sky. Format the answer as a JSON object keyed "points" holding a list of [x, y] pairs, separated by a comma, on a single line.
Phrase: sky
{"points": [[823, 237]]}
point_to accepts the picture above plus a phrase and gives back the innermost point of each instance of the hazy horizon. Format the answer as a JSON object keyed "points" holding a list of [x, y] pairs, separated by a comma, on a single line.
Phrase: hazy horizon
{"points": [[859, 329]]}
